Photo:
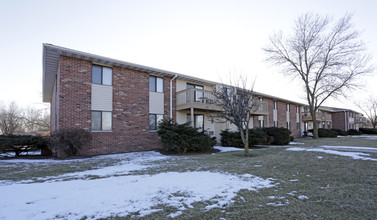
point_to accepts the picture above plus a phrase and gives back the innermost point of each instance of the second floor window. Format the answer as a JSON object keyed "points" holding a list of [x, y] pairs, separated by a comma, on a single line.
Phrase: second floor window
{"points": [[156, 84], [102, 75]]}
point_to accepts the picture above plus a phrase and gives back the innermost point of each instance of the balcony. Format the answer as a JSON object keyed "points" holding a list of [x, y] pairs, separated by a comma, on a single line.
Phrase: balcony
{"points": [[196, 98], [306, 116], [360, 120], [205, 100]]}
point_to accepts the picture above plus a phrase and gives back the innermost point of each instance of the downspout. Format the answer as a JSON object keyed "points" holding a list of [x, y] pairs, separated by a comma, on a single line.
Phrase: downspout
{"points": [[171, 96], [345, 121]]}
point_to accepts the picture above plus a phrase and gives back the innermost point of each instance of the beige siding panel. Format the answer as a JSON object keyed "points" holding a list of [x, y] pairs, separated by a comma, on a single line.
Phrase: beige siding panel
{"points": [[275, 115], [156, 102], [102, 97], [288, 116], [181, 85], [181, 117]]}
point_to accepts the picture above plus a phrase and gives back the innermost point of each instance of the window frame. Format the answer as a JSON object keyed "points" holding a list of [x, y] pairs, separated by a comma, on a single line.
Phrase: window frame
{"points": [[157, 79], [188, 118], [156, 121], [102, 75], [102, 121]]}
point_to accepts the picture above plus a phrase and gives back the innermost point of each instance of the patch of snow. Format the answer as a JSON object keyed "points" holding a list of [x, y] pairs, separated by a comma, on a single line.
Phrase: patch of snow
{"points": [[292, 193], [275, 197], [121, 195], [175, 214], [354, 155], [302, 197], [227, 149], [295, 180], [258, 165], [373, 149], [292, 143], [319, 157]]}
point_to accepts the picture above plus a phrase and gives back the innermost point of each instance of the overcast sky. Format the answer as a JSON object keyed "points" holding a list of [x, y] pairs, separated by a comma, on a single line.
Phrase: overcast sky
{"points": [[206, 39]]}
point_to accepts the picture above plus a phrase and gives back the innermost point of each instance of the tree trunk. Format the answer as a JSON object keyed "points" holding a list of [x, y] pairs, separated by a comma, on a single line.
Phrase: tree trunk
{"points": [[245, 140], [315, 124]]}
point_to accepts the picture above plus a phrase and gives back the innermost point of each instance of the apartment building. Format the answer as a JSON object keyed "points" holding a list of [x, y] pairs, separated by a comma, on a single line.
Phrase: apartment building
{"points": [[121, 103]]}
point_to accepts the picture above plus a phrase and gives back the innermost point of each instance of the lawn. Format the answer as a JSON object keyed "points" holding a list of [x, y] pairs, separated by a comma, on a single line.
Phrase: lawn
{"points": [[308, 179]]}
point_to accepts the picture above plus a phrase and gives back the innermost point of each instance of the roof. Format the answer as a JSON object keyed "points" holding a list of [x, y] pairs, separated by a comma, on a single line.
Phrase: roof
{"points": [[51, 54], [50, 60]]}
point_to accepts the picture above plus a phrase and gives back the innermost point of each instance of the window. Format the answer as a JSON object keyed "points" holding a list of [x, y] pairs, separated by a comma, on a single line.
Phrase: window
{"points": [[288, 108], [197, 96], [323, 124], [101, 121], [154, 120], [260, 99], [102, 75], [198, 121], [156, 84], [275, 105]]}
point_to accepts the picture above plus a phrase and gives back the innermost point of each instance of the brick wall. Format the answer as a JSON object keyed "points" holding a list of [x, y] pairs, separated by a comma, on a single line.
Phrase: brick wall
{"points": [[338, 120], [130, 107]]}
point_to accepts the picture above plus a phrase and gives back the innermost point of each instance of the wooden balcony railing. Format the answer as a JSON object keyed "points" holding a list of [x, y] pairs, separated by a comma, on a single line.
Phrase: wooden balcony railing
{"points": [[204, 99], [321, 116]]}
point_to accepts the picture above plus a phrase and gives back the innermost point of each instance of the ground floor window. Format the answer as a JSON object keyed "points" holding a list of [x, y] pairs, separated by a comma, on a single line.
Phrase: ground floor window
{"points": [[101, 121], [261, 123], [154, 119], [198, 121]]}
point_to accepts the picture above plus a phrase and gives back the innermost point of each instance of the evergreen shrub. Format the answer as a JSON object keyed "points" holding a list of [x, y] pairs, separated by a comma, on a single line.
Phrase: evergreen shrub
{"points": [[182, 138], [353, 132], [368, 130]]}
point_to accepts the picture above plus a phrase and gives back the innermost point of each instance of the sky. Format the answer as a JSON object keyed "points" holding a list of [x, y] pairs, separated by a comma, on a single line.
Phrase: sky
{"points": [[205, 39]]}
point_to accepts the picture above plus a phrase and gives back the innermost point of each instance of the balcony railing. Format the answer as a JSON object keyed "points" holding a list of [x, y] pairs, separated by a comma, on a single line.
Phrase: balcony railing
{"points": [[204, 99], [320, 116], [360, 120]]}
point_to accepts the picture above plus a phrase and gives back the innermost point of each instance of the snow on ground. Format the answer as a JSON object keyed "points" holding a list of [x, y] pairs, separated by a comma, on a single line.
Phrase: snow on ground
{"points": [[372, 137], [116, 191], [354, 155], [122, 195], [352, 148], [12, 154], [227, 149], [293, 143]]}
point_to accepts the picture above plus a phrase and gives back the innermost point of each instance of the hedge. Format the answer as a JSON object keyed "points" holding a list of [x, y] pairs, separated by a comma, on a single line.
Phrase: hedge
{"points": [[259, 136], [353, 132], [368, 130], [21, 143], [339, 132], [182, 138], [323, 133]]}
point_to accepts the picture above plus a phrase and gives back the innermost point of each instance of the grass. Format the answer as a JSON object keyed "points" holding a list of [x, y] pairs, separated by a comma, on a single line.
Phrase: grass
{"points": [[337, 187]]}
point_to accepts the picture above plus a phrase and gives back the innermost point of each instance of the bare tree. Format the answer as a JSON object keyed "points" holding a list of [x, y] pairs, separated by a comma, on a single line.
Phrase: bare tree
{"points": [[10, 120], [237, 104], [369, 108], [35, 119], [328, 57]]}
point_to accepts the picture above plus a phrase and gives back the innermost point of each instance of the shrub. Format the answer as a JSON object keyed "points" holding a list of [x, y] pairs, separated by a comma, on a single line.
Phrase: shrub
{"points": [[280, 136], [21, 143], [339, 132], [182, 138], [353, 132], [325, 133], [231, 139], [291, 139], [368, 130], [69, 140], [258, 136]]}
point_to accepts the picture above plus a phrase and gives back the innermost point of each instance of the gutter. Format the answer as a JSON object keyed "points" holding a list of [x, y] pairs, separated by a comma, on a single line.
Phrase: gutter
{"points": [[171, 96]]}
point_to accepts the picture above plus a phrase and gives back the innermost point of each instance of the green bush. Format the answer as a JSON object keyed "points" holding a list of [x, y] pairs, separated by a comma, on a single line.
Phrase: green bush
{"points": [[69, 140], [368, 130], [325, 133], [182, 138], [339, 132], [291, 139], [21, 143], [259, 136], [353, 132], [280, 136]]}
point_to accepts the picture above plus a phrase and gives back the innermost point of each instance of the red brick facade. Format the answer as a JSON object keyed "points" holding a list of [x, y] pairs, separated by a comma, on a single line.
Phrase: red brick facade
{"points": [[338, 120], [130, 116]]}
